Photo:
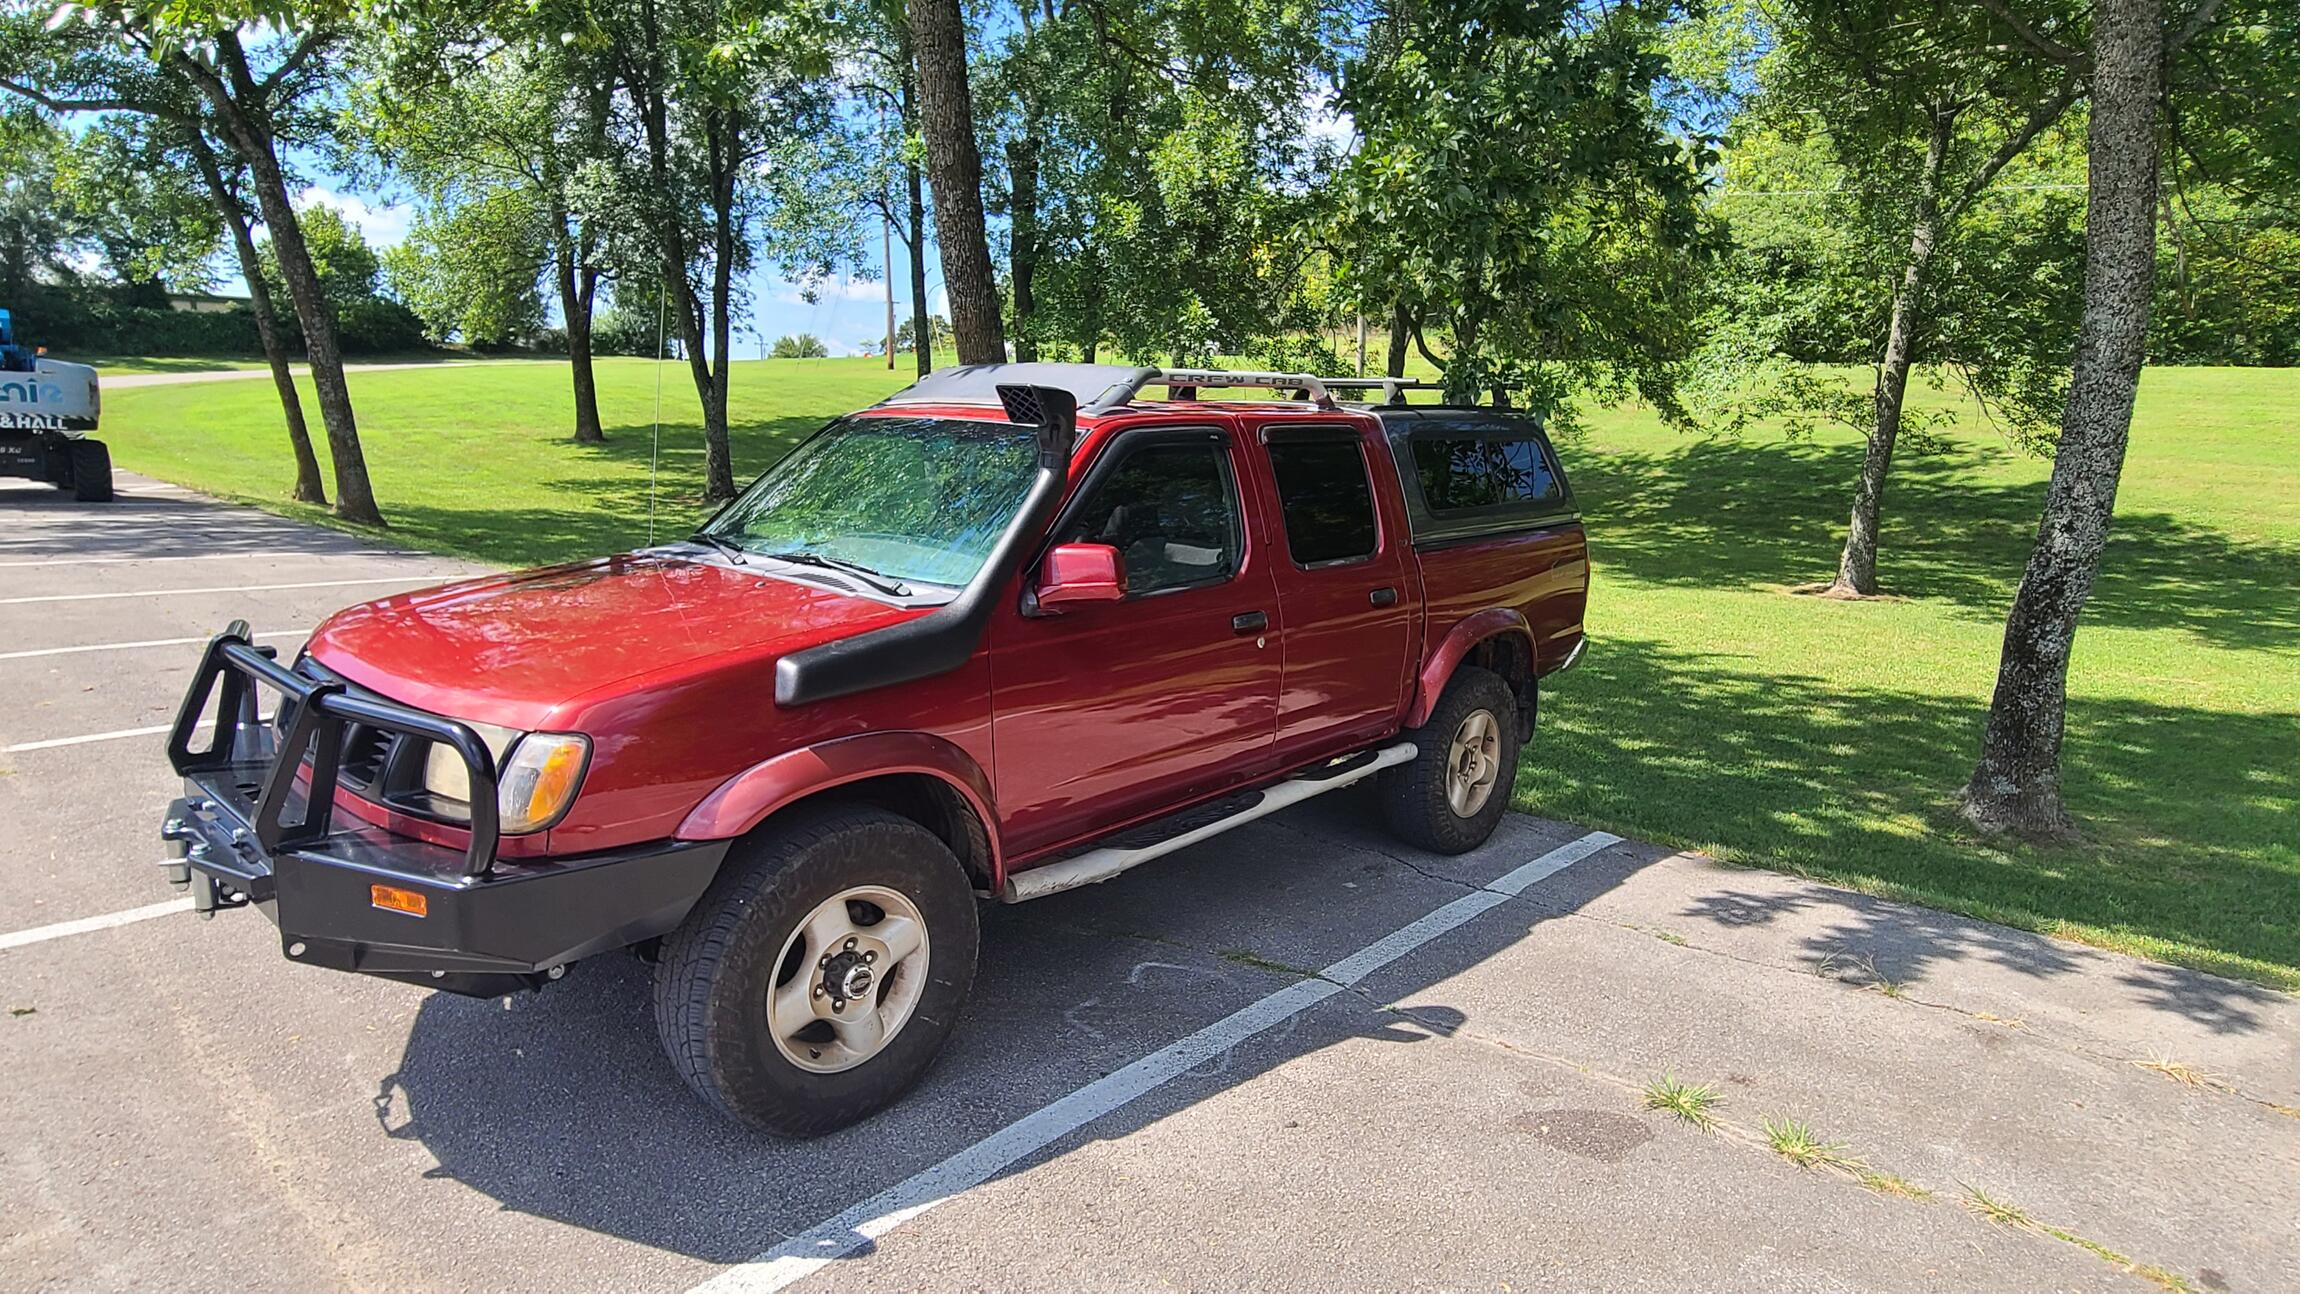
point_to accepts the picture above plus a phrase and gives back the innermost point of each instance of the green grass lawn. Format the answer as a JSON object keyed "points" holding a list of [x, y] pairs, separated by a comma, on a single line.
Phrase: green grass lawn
{"points": [[1715, 709]]}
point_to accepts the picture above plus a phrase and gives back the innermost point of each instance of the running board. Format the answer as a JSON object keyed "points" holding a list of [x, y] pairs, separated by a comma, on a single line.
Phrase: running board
{"points": [[1101, 864]]}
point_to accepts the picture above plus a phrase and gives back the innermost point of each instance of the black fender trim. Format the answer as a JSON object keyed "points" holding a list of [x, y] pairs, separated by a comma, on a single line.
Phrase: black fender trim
{"points": [[946, 637]]}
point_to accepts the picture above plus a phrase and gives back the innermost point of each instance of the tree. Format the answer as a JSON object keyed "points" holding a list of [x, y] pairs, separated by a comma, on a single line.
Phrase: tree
{"points": [[139, 202], [344, 266], [937, 334], [1920, 107], [192, 65], [804, 346], [1158, 179], [717, 132], [226, 185], [1517, 185], [954, 167], [893, 155], [37, 241], [2016, 786], [470, 271], [504, 131]]}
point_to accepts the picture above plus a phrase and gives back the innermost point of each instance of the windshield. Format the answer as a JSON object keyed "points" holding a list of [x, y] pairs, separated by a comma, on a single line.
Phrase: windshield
{"points": [[909, 498]]}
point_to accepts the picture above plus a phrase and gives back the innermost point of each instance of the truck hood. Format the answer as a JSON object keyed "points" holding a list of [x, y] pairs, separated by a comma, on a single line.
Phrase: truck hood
{"points": [[524, 650]]}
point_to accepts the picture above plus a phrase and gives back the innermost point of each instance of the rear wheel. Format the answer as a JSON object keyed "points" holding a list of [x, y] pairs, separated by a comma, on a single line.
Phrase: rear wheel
{"points": [[1451, 795], [820, 976], [91, 471]]}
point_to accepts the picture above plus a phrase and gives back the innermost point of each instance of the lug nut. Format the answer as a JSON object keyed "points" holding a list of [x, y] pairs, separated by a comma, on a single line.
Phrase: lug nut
{"points": [[838, 1004], [818, 990], [850, 943], [868, 958]]}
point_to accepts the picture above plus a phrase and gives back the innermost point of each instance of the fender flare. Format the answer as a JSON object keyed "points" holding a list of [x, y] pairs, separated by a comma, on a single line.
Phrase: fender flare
{"points": [[750, 797], [1466, 634]]}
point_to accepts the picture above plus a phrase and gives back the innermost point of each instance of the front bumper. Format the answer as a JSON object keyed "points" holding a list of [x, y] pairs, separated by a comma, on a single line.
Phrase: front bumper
{"points": [[255, 827]]}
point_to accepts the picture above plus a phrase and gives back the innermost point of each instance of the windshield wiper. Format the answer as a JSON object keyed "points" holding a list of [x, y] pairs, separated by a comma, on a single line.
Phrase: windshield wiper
{"points": [[877, 580], [733, 550]]}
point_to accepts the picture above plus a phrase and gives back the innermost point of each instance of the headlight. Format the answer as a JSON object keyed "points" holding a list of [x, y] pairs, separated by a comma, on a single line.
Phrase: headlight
{"points": [[539, 780], [444, 774]]}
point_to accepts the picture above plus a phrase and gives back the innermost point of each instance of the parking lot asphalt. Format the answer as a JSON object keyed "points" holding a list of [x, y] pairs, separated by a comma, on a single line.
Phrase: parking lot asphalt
{"points": [[1299, 1055]]}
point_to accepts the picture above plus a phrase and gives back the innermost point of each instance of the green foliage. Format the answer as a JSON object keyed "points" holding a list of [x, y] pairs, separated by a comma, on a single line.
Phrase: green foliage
{"points": [[1518, 184], [471, 271], [938, 334], [134, 196], [1176, 179], [804, 346], [347, 267], [1825, 178]]}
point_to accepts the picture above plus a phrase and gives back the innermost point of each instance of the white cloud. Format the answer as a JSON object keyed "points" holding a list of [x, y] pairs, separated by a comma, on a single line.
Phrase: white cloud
{"points": [[384, 226]]}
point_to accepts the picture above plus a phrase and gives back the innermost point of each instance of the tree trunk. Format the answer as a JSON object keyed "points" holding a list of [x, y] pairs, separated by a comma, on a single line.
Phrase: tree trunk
{"points": [[1857, 565], [576, 288], [1022, 166], [2016, 787], [308, 486], [718, 452], [1401, 332], [921, 318], [914, 185], [954, 166], [252, 140]]}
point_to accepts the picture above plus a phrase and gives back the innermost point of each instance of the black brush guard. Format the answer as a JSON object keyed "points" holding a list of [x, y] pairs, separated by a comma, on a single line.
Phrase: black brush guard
{"points": [[257, 826]]}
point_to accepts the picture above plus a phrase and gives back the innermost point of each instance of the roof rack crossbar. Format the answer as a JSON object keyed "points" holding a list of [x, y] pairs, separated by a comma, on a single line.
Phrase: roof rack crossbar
{"points": [[1190, 379], [1393, 388]]}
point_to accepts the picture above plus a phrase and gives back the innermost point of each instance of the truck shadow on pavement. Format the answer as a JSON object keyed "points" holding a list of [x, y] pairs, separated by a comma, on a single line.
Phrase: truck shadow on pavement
{"points": [[561, 1105]]}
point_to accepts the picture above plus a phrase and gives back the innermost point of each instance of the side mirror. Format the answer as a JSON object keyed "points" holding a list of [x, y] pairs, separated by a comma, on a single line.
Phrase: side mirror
{"points": [[1081, 573]]}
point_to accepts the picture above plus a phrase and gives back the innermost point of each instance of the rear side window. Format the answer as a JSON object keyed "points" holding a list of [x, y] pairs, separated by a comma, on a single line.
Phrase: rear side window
{"points": [[1459, 473], [1327, 498]]}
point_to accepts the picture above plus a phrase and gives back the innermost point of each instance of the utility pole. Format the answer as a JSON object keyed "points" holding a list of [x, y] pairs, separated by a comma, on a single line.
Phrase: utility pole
{"points": [[886, 255], [1361, 343]]}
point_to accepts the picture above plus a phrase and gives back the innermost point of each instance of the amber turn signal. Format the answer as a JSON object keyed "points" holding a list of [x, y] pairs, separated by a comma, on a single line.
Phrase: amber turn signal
{"points": [[393, 899]]}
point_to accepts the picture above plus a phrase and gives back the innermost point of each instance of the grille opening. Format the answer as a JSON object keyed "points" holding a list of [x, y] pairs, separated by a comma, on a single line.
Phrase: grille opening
{"points": [[364, 751]]}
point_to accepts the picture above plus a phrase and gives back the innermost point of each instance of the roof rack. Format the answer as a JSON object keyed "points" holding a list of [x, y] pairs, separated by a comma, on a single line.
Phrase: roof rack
{"points": [[1393, 388], [1184, 384]]}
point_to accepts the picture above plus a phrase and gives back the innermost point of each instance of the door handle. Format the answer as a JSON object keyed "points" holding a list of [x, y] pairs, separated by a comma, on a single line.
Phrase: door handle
{"points": [[1250, 622], [1383, 597]]}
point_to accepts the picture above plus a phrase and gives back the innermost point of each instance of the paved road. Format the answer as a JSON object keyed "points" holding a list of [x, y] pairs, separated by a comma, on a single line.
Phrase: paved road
{"points": [[1298, 1056]]}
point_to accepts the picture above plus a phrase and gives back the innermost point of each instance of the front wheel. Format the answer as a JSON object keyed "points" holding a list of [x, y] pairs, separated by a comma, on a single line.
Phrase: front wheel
{"points": [[1450, 796], [91, 471], [819, 977]]}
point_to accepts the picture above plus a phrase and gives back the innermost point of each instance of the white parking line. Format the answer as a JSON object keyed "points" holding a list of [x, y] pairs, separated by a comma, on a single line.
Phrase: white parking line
{"points": [[236, 588], [153, 731], [809, 1252], [86, 925], [142, 642], [258, 554]]}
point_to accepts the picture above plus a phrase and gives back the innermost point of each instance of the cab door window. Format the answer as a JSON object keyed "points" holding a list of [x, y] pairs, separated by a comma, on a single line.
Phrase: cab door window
{"points": [[1171, 511]]}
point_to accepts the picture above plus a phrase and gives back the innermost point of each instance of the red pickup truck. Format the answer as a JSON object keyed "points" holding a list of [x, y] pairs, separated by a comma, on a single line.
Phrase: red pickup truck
{"points": [[1013, 630]]}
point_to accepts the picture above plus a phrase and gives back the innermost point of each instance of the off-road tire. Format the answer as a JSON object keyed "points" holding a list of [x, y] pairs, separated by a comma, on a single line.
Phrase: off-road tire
{"points": [[91, 471], [1414, 793], [719, 967]]}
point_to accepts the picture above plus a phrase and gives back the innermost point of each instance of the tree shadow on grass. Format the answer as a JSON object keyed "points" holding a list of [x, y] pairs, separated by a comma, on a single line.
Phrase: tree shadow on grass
{"points": [[1726, 513], [2194, 834]]}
